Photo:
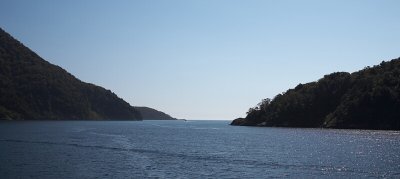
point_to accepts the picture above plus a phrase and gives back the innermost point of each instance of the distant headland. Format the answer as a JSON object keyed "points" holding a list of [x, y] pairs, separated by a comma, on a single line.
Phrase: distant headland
{"points": [[33, 89], [367, 99]]}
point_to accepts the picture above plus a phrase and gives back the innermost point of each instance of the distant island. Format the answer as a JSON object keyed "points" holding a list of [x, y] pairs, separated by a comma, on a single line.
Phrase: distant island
{"points": [[34, 89], [367, 99]]}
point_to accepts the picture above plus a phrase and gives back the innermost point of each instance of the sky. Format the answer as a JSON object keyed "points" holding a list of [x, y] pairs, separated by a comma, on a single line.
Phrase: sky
{"points": [[205, 59]]}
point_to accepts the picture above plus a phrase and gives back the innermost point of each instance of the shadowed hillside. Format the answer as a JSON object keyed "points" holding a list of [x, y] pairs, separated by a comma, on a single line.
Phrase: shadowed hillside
{"points": [[367, 99], [152, 114], [32, 88]]}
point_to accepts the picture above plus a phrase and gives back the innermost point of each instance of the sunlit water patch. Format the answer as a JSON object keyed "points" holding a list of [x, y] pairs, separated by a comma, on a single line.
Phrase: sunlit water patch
{"points": [[191, 149]]}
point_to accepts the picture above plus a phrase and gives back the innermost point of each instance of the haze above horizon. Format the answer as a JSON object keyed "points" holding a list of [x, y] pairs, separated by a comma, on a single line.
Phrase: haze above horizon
{"points": [[205, 59]]}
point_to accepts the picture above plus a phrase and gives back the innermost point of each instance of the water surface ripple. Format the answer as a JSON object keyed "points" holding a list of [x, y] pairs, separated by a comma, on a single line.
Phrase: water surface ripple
{"points": [[192, 149]]}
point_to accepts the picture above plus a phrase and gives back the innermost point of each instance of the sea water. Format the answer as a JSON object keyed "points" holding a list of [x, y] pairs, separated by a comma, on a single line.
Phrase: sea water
{"points": [[192, 149]]}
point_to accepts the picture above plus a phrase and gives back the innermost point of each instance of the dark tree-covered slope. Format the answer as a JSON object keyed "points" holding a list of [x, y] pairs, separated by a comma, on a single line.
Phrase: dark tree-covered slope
{"points": [[152, 114], [32, 88], [367, 99]]}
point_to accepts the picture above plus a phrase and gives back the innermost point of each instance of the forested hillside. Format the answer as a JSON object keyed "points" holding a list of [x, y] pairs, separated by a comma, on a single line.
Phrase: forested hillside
{"points": [[152, 114], [367, 99], [32, 88]]}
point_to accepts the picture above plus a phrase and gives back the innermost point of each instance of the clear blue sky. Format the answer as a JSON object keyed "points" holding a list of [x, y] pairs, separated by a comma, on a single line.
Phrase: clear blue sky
{"points": [[205, 59]]}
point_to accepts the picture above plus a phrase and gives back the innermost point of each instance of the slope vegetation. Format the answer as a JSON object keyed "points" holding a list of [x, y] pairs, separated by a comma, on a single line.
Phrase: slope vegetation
{"points": [[152, 114], [367, 99], [32, 88]]}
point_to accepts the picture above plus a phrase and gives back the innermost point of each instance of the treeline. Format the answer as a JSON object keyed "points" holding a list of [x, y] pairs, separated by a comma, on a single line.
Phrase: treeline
{"points": [[32, 88], [367, 99]]}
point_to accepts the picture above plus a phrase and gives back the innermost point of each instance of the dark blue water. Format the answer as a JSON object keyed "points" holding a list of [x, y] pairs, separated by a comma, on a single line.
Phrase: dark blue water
{"points": [[192, 149]]}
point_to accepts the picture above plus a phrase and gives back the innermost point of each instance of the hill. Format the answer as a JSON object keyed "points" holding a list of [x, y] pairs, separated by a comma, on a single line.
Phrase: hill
{"points": [[152, 114], [367, 99], [32, 88]]}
